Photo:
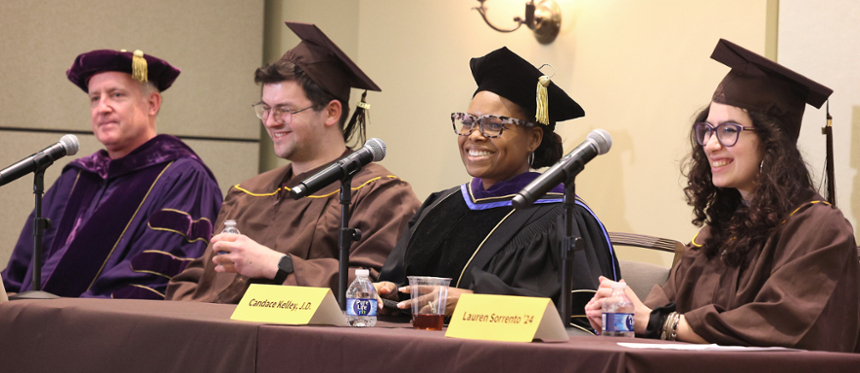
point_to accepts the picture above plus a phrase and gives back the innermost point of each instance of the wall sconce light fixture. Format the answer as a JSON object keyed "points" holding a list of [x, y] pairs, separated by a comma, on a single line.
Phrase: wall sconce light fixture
{"points": [[543, 18]]}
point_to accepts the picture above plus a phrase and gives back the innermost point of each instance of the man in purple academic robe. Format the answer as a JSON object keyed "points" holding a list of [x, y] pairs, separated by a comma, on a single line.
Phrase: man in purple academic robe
{"points": [[127, 218]]}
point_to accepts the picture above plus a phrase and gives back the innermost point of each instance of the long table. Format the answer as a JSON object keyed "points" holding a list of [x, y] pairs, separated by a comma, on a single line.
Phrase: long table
{"points": [[102, 335]]}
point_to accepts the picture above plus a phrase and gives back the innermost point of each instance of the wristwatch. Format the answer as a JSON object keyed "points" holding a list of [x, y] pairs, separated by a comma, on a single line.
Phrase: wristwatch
{"points": [[285, 267]]}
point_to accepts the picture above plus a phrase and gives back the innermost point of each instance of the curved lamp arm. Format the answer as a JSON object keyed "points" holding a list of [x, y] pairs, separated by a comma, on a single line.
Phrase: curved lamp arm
{"points": [[483, 11], [544, 19]]}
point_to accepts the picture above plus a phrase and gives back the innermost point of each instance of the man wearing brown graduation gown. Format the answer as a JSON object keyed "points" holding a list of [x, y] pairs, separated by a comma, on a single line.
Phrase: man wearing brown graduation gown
{"points": [[295, 242]]}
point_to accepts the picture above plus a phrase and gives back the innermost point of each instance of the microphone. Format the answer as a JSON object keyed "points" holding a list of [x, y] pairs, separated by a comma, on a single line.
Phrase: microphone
{"points": [[597, 143], [373, 151], [68, 145]]}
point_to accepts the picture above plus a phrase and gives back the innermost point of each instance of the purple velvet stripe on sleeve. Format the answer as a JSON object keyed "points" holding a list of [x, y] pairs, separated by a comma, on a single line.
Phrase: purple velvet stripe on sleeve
{"points": [[159, 263], [181, 223]]}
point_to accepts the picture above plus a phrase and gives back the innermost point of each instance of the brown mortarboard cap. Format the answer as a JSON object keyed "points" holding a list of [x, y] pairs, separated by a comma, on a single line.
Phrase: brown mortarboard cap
{"points": [[325, 63], [508, 75], [759, 84], [142, 67]]}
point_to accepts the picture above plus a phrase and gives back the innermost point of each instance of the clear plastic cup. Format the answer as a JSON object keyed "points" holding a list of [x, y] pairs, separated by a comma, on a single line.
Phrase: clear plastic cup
{"points": [[429, 297]]}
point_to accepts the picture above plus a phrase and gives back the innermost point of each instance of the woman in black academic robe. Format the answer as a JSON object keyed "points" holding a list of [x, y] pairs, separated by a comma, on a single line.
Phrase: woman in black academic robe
{"points": [[471, 233]]}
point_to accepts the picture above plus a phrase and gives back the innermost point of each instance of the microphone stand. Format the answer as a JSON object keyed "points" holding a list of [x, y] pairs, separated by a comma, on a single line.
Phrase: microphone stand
{"points": [[569, 244], [347, 236], [39, 226]]}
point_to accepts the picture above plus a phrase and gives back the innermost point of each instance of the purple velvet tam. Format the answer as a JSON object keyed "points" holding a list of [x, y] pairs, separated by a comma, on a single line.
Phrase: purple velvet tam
{"points": [[160, 73]]}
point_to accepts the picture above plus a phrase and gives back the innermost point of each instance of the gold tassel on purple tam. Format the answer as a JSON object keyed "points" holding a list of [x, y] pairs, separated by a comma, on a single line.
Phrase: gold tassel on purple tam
{"points": [[139, 70]]}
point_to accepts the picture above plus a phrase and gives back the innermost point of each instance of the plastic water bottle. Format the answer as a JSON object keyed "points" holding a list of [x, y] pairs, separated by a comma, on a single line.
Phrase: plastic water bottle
{"points": [[361, 301], [617, 313], [229, 227]]}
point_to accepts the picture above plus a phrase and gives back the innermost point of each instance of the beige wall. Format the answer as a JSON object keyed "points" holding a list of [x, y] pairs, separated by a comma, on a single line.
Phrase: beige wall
{"points": [[830, 54], [640, 69]]}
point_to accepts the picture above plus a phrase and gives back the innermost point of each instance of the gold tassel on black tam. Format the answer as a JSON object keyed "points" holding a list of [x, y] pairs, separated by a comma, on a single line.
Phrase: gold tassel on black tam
{"points": [[542, 112]]}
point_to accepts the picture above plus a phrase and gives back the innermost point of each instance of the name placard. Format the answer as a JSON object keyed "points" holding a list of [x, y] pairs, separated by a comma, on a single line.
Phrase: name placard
{"points": [[292, 305], [506, 318]]}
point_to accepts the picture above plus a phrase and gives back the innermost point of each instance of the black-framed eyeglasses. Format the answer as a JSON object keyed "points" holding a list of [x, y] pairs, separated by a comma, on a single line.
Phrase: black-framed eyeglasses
{"points": [[491, 126], [282, 114], [727, 133]]}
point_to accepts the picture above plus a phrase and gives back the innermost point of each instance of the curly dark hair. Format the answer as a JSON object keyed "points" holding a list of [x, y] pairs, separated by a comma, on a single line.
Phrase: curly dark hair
{"points": [[549, 151], [284, 70], [738, 229]]}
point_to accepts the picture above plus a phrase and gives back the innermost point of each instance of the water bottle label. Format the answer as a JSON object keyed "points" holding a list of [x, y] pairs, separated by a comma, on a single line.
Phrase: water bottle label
{"points": [[360, 307], [617, 322]]}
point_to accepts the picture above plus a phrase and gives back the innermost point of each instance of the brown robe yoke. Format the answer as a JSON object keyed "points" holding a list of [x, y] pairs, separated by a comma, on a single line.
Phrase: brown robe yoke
{"points": [[306, 228], [801, 290]]}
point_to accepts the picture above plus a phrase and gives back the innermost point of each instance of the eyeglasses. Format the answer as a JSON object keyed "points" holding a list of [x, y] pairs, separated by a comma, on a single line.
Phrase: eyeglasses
{"points": [[282, 114], [727, 133], [491, 126]]}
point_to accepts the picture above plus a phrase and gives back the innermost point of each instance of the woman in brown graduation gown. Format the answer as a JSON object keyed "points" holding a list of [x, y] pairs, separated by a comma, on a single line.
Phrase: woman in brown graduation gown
{"points": [[471, 233], [774, 264]]}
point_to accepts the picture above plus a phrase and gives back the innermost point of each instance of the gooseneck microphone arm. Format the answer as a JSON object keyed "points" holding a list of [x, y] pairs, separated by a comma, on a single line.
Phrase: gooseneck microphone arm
{"points": [[598, 142], [373, 151], [68, 145]]}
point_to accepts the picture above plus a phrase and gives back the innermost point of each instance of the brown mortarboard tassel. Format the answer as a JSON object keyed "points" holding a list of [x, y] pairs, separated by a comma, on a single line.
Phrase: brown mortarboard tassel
{"points": [[358, 122], [139, 70], [829, 171], [542, 112]]}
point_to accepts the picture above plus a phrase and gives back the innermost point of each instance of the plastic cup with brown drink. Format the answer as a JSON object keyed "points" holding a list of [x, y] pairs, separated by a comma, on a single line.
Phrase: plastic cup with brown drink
{"points": [[429, 296]]}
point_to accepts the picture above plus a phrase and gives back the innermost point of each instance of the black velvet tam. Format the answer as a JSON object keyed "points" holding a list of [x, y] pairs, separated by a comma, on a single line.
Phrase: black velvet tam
{"points": [[508, 75]]}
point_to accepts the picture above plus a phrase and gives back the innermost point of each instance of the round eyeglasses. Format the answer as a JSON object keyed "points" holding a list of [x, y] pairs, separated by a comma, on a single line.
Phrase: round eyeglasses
{"points": [[727, 133], [282, 114], [491, 126]]}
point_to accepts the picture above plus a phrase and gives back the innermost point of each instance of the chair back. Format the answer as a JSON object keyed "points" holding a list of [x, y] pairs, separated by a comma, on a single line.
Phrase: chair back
{"points": [[641, 277]]}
